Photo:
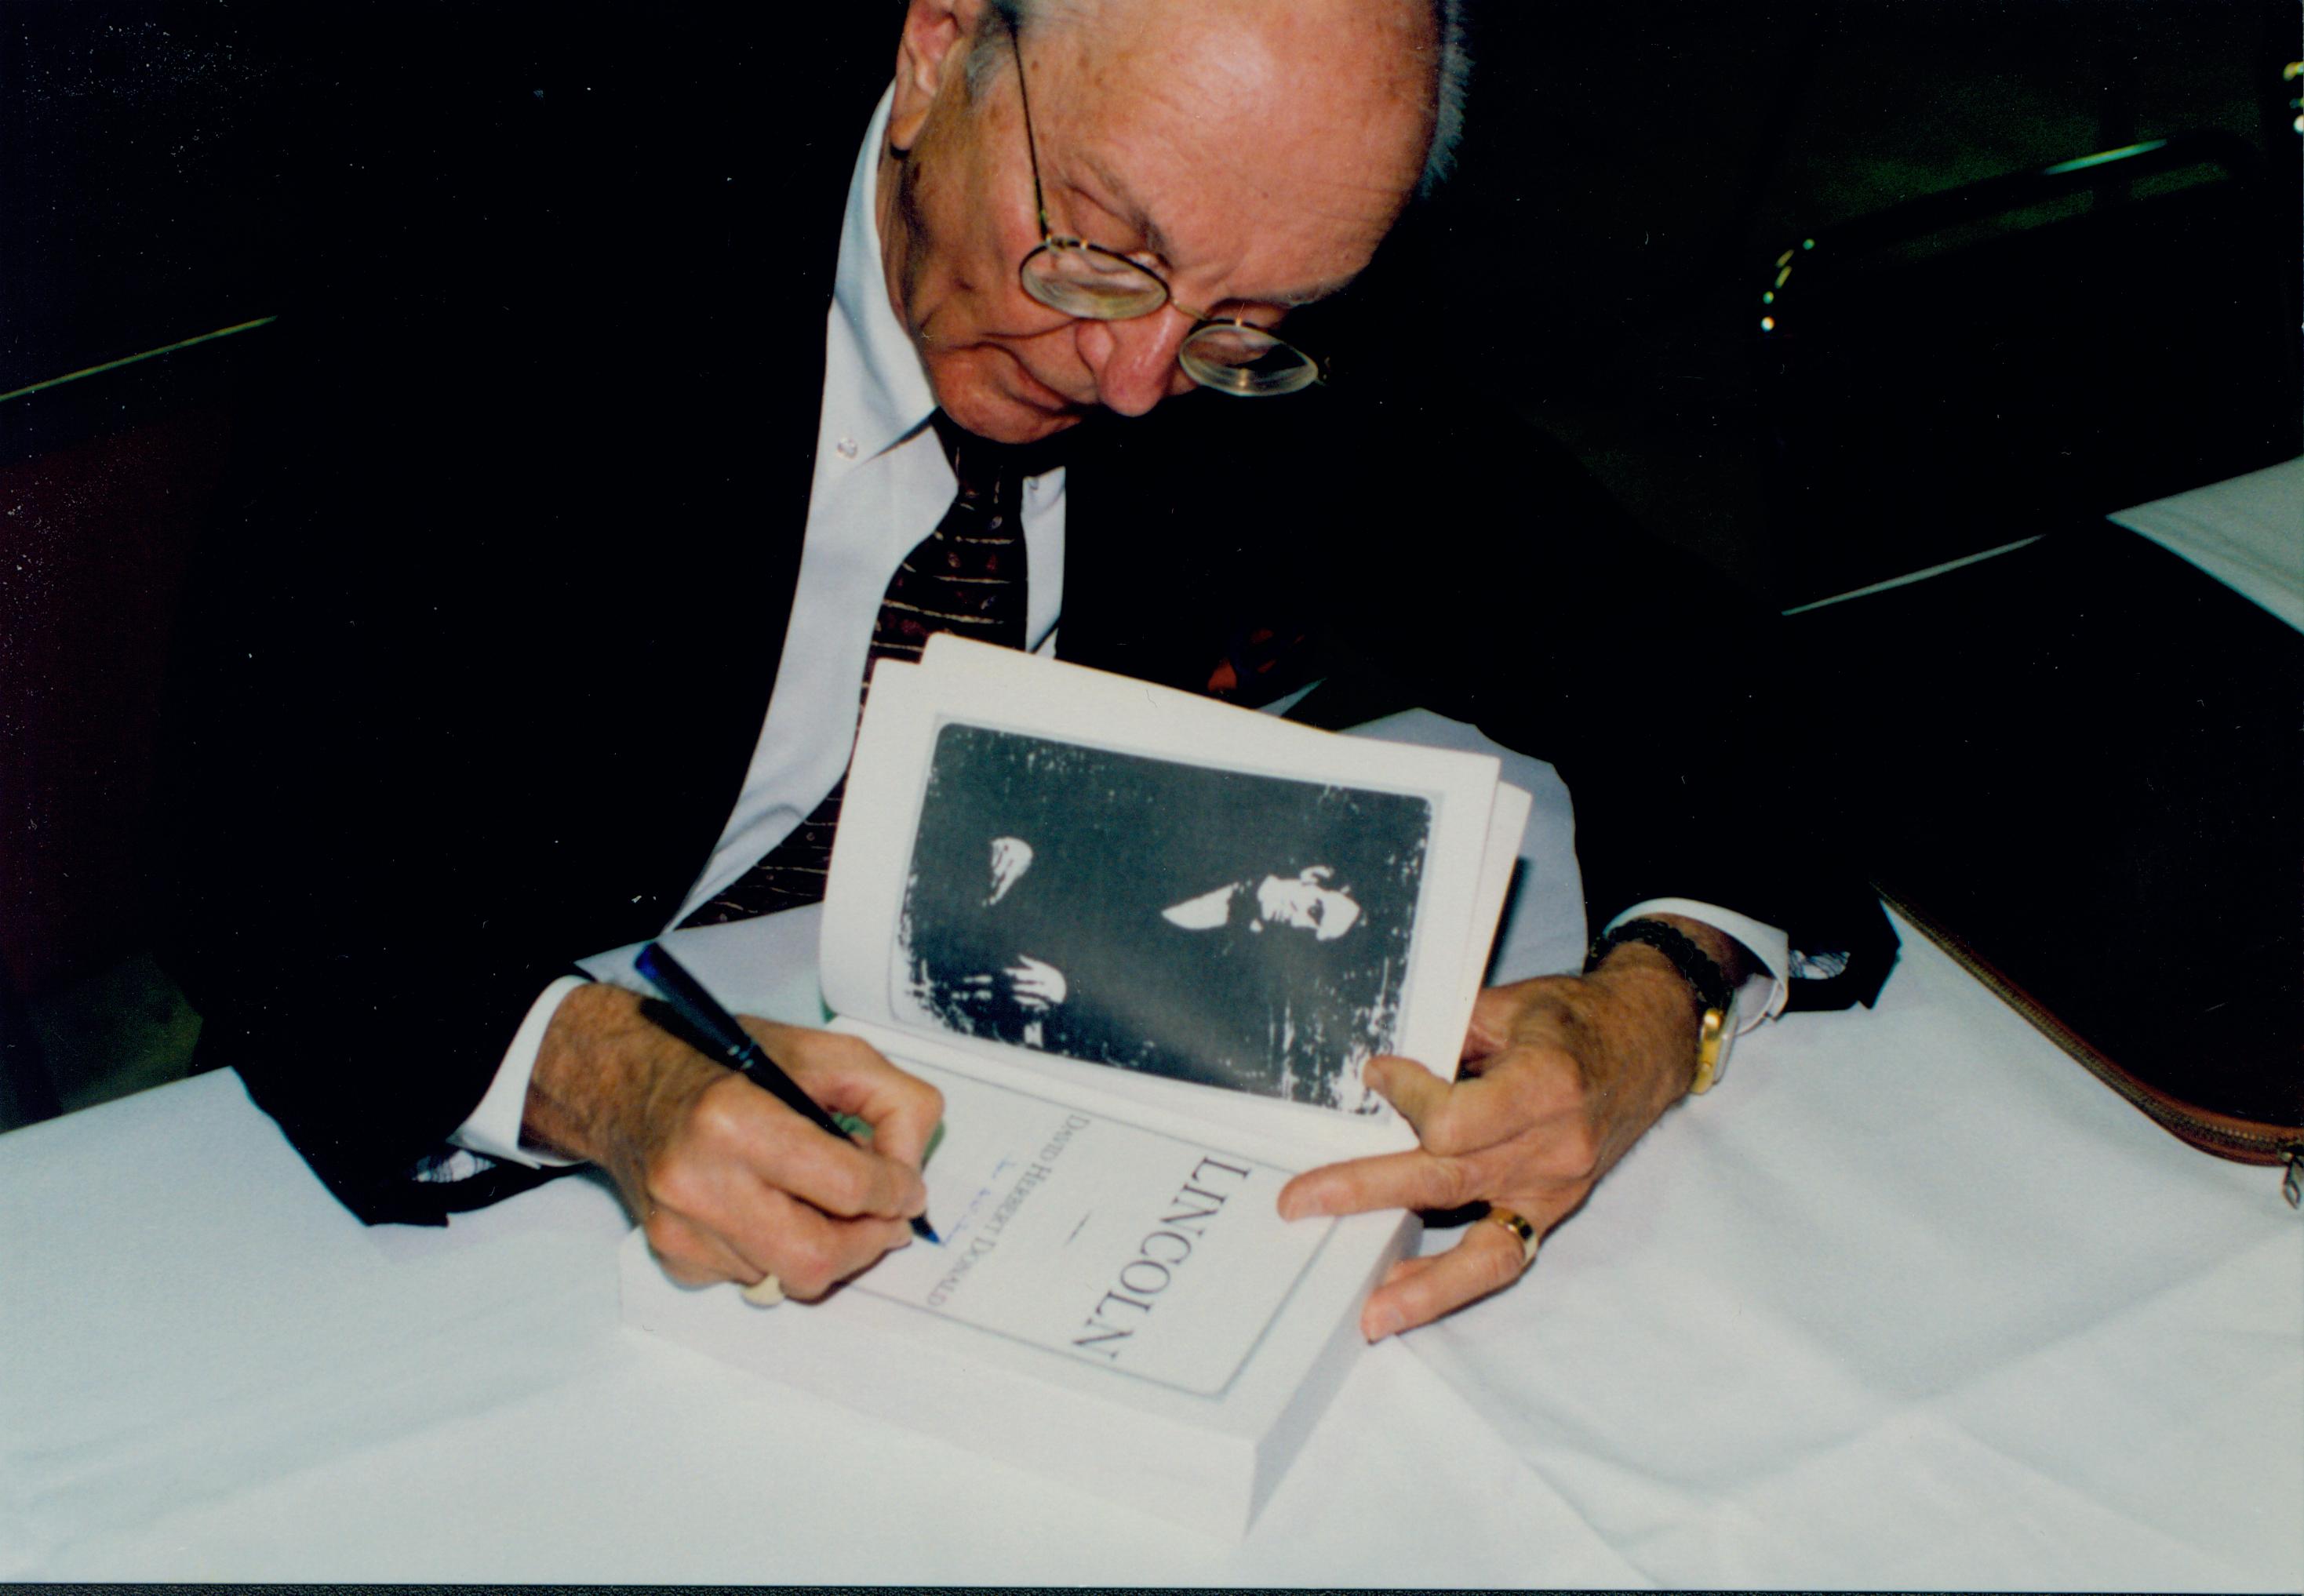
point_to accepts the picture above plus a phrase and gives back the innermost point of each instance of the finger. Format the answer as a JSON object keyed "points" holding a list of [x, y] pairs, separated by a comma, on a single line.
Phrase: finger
{"points": [[692, 1254], [1486, 1260], [1517, 1090], [740, 1226], [1503, 1015], [848, 1075], [726, 1210], [834, 1174], [1493, 1014], [738, 1138], [1407, 1086], [1406, 1268], [1415, 1179], [812, 1252]]}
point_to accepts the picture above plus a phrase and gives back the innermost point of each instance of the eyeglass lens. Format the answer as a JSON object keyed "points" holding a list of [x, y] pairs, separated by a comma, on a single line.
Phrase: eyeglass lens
{"points": [[1082, 280], [1085, 280]]}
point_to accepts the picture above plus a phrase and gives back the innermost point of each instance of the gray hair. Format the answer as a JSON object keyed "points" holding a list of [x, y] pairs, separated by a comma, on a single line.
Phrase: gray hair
{"points": [[1450, 83]]}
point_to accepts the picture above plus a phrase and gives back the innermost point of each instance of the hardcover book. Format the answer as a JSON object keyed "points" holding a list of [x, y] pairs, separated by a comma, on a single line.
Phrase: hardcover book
{"points": [[1145, 944]]}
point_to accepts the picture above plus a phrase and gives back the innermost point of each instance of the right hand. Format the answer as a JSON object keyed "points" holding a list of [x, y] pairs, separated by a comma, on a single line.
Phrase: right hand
{"points": [[728, 1183]]}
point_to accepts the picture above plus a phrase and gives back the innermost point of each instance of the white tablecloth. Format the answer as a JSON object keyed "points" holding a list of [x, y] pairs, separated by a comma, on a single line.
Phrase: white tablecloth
{"points": [[1909, 1301], [2248, 533]]}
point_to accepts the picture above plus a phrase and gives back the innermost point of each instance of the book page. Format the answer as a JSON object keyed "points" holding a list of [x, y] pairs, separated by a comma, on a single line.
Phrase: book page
{"points": [[1156, 1256], [1054, 903], [1506, 825], [1087, 868]]}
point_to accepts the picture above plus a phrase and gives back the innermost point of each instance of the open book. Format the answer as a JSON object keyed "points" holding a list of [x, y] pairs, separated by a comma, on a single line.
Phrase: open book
{"points": [[1144, 943]]}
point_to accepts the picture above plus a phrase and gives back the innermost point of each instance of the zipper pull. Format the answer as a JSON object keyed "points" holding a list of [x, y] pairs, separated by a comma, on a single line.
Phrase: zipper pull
{"points": [[2291, 1185]]}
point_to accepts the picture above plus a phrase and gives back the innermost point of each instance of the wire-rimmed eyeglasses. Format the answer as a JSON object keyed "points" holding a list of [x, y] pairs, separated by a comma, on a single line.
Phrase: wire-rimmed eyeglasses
{"points": [[1077, 278]]}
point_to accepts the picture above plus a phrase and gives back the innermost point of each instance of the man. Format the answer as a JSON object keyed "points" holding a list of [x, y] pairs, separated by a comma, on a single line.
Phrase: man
{"points": [[535, 659]]}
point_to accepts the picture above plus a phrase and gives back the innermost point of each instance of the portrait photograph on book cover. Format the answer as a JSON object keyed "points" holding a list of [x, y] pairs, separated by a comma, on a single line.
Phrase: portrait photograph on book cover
{"points": [[1225, 927]]}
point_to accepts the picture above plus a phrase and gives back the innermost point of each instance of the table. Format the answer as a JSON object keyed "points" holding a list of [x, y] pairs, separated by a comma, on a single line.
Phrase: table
{"points": [[1909, 1301]]}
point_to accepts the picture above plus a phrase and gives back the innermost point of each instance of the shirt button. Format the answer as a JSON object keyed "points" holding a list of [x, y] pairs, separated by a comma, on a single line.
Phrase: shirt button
{"points": [[847, 448]]}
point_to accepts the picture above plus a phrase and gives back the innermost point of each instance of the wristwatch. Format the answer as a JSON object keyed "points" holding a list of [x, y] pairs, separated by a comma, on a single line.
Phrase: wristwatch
{"points": [[1715, 1032]]}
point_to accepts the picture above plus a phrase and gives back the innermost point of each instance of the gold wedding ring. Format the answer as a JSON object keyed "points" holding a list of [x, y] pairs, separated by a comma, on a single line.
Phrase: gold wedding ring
{"points": [[1520, 1228], [767, 1294]]}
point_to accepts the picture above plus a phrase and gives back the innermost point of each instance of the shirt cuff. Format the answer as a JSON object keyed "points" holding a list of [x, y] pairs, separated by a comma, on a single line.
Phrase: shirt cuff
{"points": [[494, 1126], [1762, 996]]}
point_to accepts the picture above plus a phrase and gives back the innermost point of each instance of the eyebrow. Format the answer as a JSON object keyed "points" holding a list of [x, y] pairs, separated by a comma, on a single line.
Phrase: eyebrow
{"points": [[1124, 203]]}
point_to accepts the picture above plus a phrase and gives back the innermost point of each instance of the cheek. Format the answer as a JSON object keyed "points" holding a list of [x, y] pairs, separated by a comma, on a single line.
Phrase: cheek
{"points": [[967, 286], [980, 229], [947, 225]]}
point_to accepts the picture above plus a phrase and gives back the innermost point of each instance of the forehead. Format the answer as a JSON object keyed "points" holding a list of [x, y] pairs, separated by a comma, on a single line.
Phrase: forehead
{"points": [[1267, 145]]}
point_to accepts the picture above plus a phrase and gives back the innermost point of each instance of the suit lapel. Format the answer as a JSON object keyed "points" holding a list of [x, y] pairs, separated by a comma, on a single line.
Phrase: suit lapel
{"points": [[738, 519], [1191, 541]]}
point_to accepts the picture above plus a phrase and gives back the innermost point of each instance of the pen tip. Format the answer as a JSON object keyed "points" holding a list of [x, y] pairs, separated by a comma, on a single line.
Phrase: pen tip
{"points": [[921, 1227]]}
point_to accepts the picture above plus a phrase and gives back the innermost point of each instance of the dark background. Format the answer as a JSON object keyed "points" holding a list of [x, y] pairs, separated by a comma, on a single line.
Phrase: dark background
{"points": [[1631, 172]]}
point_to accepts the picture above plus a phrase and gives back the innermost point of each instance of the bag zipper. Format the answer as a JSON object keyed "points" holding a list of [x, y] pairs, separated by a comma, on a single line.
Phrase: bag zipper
{"points": [[2226, 1137]]}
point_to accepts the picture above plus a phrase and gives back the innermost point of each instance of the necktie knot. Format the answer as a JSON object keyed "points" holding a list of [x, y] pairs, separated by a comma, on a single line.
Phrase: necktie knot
{"points": [[984, 468], [966, 577]]}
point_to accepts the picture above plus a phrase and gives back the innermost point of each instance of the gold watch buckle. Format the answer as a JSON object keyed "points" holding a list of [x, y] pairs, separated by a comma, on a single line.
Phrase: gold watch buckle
{"points": [[1711, 1043]]}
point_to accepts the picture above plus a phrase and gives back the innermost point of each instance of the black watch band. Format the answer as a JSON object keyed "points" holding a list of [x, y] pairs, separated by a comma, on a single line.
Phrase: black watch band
{"points": [[1699, 969]]}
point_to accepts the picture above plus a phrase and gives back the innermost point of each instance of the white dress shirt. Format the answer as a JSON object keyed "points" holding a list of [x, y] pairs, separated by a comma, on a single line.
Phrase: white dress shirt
{"points": [[881, 484]]}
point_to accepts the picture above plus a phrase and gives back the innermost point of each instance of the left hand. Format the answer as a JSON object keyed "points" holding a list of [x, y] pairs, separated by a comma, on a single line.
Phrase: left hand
{"points": [[1561, 1076]]}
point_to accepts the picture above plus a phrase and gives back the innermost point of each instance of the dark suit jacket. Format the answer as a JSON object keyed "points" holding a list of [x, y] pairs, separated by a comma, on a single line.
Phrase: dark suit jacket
{"points": [[479, 652]]}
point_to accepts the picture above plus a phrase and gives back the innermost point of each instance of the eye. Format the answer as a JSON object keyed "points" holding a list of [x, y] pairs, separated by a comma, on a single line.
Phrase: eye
{"points": [[1113, 227]]}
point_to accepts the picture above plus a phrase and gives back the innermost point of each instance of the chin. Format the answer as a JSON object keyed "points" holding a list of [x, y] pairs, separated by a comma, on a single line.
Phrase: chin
{"points": [[1008, 412], [1007, 421], [1031, 429]]}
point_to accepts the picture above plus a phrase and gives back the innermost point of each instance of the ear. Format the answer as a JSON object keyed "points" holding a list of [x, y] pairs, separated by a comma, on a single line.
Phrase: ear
{"points": [[935, 43]]}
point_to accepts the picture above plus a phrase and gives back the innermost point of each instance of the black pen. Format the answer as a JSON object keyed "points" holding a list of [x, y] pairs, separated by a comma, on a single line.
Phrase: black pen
{"points": [[742, 1051]]}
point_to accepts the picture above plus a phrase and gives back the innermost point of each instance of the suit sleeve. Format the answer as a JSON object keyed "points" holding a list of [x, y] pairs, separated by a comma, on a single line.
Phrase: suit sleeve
{"points": [[416, 764], [507, 467], [1664, 695]]}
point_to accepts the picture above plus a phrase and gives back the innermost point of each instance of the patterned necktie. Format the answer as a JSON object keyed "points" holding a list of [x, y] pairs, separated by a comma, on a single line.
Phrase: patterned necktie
{"points": [[966, 577]]}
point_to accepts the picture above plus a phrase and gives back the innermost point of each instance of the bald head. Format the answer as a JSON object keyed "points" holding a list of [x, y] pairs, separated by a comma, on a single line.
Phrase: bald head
{"points": [[1251, 152], [1432, 32]]}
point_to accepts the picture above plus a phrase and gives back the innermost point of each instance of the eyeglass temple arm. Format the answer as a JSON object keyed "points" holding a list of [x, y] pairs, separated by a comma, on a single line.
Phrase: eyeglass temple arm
{"points": [[1031, 144]]}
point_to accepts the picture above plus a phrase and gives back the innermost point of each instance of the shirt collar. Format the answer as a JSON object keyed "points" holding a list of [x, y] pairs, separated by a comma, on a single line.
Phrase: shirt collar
{"points": [[891, 399]]}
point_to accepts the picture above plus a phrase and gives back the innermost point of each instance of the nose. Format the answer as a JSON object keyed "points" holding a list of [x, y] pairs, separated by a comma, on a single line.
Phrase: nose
{"points": [[1134, 361]]}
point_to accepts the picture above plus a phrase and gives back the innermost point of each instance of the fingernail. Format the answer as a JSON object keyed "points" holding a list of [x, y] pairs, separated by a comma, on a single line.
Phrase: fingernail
{"points": [[1381, 1322]]}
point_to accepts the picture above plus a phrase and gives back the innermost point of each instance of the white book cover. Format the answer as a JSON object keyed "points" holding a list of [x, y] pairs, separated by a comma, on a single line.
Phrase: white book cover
{"points": [[1144, 943]]}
